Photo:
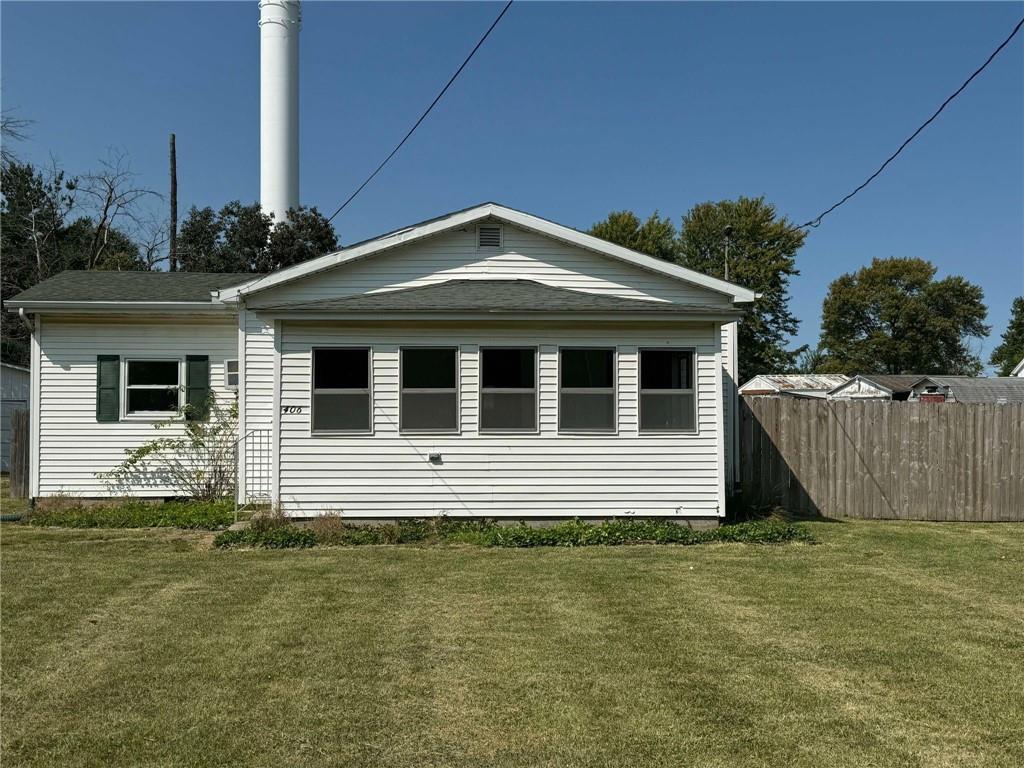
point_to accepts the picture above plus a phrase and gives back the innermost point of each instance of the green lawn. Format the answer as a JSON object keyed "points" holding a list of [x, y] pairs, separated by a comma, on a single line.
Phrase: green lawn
{"points": [[9, 506], [887, 644]]}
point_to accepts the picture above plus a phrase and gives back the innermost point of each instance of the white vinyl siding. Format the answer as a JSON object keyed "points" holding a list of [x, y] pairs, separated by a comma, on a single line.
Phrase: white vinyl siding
{"points": [[505, 474], [523, 255], [73, 446]]}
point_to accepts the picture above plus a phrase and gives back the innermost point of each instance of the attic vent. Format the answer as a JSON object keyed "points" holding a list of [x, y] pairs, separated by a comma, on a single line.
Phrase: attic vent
{"points": [[489, 237]]}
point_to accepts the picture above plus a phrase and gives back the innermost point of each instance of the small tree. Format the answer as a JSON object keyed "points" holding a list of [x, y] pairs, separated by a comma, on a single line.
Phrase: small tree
{"points": [[199, 462], [1011, 351]]}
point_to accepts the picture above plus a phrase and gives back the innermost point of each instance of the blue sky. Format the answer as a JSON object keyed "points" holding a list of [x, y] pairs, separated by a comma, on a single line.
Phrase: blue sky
{"points": [[569, 111]]}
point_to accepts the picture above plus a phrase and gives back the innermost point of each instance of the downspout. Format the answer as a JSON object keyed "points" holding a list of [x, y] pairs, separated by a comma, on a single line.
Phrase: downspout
{"points": [[26, 322]]}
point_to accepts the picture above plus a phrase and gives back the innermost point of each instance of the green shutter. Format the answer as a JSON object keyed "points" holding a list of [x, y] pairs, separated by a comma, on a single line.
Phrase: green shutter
{"points": [[197, 386], [108, 388]]}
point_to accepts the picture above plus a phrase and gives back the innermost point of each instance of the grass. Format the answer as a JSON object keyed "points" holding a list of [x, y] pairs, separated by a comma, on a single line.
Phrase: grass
{"points": [[135, 513], [9, 506], [886, 644]]}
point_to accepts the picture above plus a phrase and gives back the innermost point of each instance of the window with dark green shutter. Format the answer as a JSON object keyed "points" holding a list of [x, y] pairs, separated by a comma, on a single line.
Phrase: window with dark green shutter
{"points": [[152, 387], [108, 388], [197, 387]]}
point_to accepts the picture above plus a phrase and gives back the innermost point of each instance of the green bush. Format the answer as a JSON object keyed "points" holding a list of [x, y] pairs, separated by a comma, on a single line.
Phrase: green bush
{"points": [[577, 533], [135, 513], [333, 530], [277, 537]]}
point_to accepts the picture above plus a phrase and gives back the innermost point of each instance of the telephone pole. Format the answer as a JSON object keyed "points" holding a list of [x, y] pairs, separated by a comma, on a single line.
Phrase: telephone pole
{"points": [[172, 253]]}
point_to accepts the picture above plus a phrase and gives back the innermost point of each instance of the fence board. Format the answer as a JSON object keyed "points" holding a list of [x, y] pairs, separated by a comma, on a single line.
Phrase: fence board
{"points": [[19, 454], [913, 461]]}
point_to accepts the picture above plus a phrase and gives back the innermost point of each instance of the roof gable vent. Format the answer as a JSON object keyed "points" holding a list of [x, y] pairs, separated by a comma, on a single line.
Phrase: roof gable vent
{"points": [[488, 237]]}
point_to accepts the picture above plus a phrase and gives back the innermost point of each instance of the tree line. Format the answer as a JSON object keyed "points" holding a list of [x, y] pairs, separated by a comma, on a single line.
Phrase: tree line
{"points": [[892, 316]]}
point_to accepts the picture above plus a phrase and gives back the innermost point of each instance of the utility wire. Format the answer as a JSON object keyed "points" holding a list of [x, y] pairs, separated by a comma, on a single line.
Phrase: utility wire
{"points": [[425, 113], [817, 219]]}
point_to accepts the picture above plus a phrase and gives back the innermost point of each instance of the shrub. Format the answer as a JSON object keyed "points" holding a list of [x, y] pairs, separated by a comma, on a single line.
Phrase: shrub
{"points": [[278, 537], [135, 513], [333, 530], [577, 533]]}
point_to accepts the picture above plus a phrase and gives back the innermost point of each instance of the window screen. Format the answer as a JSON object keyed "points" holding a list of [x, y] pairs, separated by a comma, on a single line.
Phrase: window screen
{"points": [[508, 389], [429, 397], [152, 386], [667, 390], [341, 390], [586, 394]]}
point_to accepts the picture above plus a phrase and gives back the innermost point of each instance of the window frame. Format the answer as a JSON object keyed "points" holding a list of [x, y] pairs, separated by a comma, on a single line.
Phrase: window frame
{"points": [[640, 392], [227, 373], [128, 415], [614, 430], [313, 431], [457, 391], [510, 390]]}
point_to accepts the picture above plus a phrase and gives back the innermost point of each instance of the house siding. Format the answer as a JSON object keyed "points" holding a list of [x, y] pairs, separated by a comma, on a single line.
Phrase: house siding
{"points": [[388, 474], [524, 255], [73, 447], [16, 385]]}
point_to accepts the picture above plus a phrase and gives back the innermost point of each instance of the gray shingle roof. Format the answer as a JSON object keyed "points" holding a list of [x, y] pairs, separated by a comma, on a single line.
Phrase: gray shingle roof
{"points": [[490, 296], [82, 285], [972, 389]]}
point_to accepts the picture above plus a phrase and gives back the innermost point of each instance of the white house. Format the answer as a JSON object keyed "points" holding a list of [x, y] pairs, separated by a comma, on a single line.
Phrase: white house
{"points": [[484, 363], [15, 387]]}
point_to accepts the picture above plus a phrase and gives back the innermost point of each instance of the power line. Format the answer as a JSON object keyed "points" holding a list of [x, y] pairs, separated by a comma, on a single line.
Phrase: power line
{"points": [[425, 113], [817, 219]]}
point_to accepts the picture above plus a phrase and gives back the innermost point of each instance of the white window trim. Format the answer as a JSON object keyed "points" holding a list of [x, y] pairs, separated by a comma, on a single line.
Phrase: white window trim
{"points": [[426, 390], [227, 373], [640, 391], [313, 431], [127, 415], [507, 390], [614, 430]]}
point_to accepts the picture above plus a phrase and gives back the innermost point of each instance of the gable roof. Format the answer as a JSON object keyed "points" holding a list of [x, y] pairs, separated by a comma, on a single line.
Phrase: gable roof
{"points": [[976, 389], [794, 382], [458, 219], [1018, 369], [83, 286], [892, 383], [491, 296]]}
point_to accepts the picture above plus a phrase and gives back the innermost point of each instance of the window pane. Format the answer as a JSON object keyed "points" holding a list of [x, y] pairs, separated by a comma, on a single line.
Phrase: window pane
{"points": [[429, 411], [152, 400], [508, 368], [587, 368], [667, 411], [428, 368], [666, 369], [232, 366], [153, 372], [508, 410], [341, 412], [341, 369], [578, 411]]}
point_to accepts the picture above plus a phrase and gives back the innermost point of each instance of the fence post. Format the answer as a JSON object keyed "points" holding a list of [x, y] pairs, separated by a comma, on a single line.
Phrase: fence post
{"points": [[19, 454]]}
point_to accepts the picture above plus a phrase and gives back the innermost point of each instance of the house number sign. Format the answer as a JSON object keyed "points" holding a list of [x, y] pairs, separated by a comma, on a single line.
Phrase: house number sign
{"points": [[291, 409]]}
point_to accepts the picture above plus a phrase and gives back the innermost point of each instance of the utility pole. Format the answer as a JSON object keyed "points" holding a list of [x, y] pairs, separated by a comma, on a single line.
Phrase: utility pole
{"points": [[172, 253], [728, 236]]}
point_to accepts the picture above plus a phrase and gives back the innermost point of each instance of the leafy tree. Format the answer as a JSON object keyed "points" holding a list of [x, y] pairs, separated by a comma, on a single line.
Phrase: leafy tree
{"points": [[895, 317], [1011, 350], [762, 257], [241, 238], [40, 235], [762, 250], [809, 359], [655, 237]]}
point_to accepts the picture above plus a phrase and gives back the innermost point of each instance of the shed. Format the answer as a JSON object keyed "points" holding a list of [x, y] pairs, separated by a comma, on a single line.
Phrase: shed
{"points": [[969, 389], [876, 387], [812, 385]]}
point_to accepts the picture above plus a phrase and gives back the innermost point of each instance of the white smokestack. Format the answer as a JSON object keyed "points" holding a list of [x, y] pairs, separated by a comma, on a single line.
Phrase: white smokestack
{"points": [[279, 106]]}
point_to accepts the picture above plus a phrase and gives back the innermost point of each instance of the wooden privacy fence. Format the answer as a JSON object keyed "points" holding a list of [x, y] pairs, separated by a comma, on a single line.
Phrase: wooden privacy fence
{"points": [[876, 459], [19, 454]]}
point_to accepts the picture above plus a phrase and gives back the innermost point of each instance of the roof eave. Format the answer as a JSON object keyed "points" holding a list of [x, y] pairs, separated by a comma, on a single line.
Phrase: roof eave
{"points": [[57, 307], [397, 316]]}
